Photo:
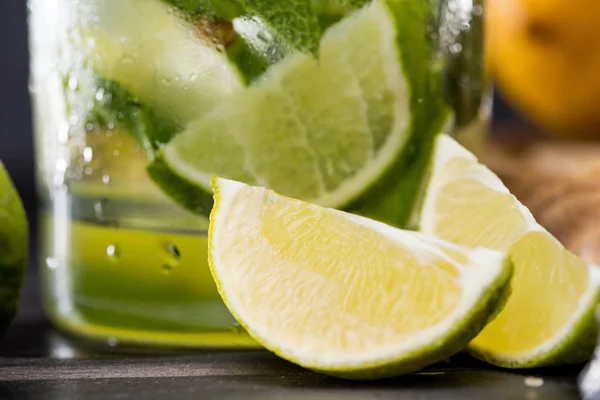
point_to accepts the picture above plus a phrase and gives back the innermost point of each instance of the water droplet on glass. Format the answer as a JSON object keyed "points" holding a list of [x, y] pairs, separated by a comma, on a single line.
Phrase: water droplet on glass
{"points": [[59, 179], [453, 6], [73, 84], [455, 48], [262, 36], [193, 77], [100, 94], [110, 126], [89, 170], [60, 172], [89, 127], [63, 132], [116, 152], [237, 328], [112, 342], [52, 263], [61, 165], [99, 209], [167, 269], [88, 154], [477, 10], [112, 252], [174, 251], [106, 179], [73, 120]]}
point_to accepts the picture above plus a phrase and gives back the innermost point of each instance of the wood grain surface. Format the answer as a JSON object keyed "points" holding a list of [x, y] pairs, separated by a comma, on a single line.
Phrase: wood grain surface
{"points": [[559, 182]]}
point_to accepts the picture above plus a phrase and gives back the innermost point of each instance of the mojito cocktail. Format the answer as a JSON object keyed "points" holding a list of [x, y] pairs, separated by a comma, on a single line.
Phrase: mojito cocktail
{"points": [[138, 103]]}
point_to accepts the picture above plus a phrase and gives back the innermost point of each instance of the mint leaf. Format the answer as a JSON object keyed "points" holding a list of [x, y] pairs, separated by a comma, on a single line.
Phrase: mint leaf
{"points": [[331, 12], [341, 5], [296, 21], [225, 9], [256, 47], [251, 63], [299, 23], [352, 4], [117, 107]]}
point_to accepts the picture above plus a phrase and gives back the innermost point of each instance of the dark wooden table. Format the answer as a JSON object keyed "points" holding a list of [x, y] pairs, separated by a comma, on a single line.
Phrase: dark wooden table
{"points": [[41, 364], [36, 362]]}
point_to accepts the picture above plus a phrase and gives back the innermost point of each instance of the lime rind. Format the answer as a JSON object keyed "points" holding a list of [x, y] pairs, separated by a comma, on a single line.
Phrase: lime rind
{"points": [[183, 191], [484, 294], [396, 198], [464, 329], [574, 343], [14, 248]]}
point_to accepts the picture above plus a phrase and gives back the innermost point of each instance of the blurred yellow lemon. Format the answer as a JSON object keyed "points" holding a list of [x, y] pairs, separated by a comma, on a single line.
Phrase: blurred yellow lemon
{"points": [[545, 56]]}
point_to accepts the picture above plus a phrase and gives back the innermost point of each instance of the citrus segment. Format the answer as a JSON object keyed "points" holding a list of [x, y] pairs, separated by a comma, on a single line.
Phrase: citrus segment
{"points": [[343, 294], [549, 316]]}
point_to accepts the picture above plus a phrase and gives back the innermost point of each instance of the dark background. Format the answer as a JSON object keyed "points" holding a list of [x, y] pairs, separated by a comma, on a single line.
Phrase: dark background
{"points": [[16, 142]]}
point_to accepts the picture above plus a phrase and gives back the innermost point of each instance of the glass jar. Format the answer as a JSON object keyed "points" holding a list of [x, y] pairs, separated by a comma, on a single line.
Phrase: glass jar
{"points": [[348, 95]]}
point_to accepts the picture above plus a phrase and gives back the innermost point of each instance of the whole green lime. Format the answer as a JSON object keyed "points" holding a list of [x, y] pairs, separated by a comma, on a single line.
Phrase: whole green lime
{"points": [[14, 248]]}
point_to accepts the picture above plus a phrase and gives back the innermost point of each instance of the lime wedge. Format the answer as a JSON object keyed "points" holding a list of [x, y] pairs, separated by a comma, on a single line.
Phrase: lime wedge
{"points": [[346, 295], [320, 130], [14, 248], [549, 318]]}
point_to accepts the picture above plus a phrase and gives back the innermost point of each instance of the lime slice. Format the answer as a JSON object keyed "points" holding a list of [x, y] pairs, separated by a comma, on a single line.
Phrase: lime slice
{"points": [[14, 248], [319, 130], [164, 60], [342, 294], [549, 318]]}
